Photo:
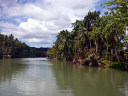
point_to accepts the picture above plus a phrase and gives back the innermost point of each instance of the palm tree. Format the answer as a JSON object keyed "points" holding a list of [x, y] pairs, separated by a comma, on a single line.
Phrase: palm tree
{"points": [[90, 20]]}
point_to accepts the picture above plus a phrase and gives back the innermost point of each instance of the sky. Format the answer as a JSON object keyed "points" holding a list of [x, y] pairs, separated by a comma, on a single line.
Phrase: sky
{"points": [[37, 22]]}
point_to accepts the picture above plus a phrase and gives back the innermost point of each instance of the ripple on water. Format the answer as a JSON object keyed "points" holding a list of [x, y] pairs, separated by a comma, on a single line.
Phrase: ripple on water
{"points": [[34, 77]]}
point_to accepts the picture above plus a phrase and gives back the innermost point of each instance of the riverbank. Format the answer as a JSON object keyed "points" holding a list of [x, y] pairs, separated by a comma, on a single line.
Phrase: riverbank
{"points": [[94, 63], [96, 40]]}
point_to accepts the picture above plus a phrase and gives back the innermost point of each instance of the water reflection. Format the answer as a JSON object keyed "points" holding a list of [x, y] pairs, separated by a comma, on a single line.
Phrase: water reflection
{"points": [[41, 77], [29, 77], [9, 68], [86, 81]]}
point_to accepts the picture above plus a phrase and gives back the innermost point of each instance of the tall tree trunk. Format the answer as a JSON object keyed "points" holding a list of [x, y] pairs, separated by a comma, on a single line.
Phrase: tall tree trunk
{"points": [[112, 53], [116, 54], [96, 47], [90, 44], [107, 52]]}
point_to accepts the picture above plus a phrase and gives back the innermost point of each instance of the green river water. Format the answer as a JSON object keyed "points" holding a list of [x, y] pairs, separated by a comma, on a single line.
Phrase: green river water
{"points": [[42, 77]]}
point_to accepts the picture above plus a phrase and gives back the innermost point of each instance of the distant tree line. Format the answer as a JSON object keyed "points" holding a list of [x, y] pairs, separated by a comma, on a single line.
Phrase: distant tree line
{"points": [[96, 40], [9, 46]]}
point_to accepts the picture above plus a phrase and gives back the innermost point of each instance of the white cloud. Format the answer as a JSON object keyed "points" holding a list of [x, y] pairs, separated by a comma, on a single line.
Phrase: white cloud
{"points": [[35, 40], [9, 28], [45, 18], [36, 31], [32, 25], [7, 25]]}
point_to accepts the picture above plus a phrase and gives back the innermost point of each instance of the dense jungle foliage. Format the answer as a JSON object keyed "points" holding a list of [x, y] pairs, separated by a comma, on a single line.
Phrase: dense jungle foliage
{"points": [[96, 40], [10, 47]]}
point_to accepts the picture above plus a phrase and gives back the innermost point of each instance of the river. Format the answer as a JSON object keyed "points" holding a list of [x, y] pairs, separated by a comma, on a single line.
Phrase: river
{"points": [[42, 77]]}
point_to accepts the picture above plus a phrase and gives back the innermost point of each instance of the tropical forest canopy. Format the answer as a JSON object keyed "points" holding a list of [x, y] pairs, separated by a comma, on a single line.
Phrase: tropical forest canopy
{"points": [[16, 49], [96, 38]]}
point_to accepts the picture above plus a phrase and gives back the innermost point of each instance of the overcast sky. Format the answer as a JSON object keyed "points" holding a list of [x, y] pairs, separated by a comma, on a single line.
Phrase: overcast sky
{"points": [[37, 22]]}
